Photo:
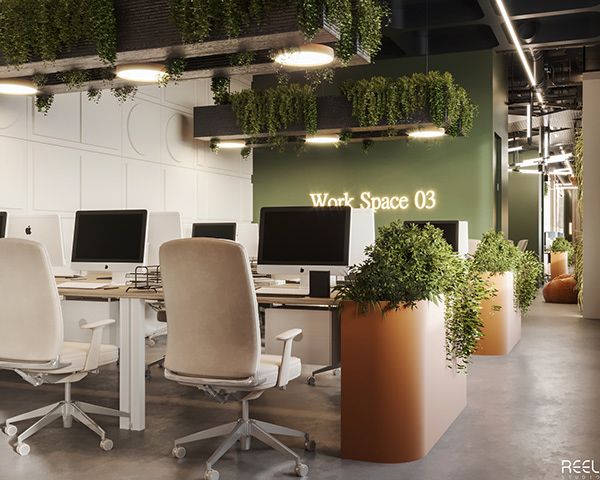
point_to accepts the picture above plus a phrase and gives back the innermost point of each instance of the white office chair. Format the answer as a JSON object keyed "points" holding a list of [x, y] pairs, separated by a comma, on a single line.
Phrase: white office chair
{"points": [[522, 245], [31, 341], [214, 342]]}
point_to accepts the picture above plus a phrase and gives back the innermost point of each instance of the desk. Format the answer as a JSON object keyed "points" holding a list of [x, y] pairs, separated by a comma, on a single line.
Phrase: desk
{"points": [[132, 365]]}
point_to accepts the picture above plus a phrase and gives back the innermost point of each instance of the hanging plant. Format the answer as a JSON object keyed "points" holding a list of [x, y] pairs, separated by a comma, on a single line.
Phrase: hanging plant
{"points": [[367, 144], [318, 76], [43, 103], [47, 28], [385, 100], [220, 87], [275, 109], [245, 152], [174, 71], [242, 59], [578, 171], [73, 78], [94, 95], [39, 79], [125, 93]]}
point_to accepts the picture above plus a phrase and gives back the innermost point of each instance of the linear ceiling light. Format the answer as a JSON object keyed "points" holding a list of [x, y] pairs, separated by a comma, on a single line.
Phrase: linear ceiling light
{"points": [[323, 139], [310, 55], [515, 149], [530, 172], [230, 144], [552, 159], [426, 132], [528, 120], [17, 87], [517, 43], [142, 72]]}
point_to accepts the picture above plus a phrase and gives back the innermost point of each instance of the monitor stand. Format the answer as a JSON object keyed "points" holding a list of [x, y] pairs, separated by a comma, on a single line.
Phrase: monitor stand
{"points": [[119, 279]]}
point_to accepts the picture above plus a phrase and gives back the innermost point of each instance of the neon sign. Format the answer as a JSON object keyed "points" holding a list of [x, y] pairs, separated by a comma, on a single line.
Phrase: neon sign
{"points": [[421, 200]]}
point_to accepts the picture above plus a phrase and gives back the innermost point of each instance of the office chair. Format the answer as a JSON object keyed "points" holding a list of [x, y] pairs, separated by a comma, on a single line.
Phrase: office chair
{"points": [[214, 342], [522, 244], [31, 341]]}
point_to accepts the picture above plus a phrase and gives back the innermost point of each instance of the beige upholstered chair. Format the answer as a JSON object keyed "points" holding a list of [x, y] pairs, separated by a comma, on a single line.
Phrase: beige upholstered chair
{"points": [[214, 341], [31, 333]]}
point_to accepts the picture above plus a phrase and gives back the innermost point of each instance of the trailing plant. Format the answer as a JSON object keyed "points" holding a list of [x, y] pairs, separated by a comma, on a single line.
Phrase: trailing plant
{"points": [[578, 172], [386, 100], [242, 59], [124, 93], [367, 144], [43, 103], [47, 28], [275, 109], [578, 249], [496, 255], [245, 152], [39, 79], [74, 78], [94, 95], [318, 76], [408, 264], [220, 87], [214, 145], [174, 70], [561, 244]]}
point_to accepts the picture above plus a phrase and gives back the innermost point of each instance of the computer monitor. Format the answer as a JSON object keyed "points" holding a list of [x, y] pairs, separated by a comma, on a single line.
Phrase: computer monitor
{"points": [[456, 232], [3, 217], [362, 233], [247, 235], [295, 240], [110, 240], [162, 227], [225, 230], [45, 229]]}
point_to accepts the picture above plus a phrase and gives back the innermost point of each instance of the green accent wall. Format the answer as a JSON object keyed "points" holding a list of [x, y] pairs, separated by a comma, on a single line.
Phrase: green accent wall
{"points": [[525, 209], [459, 170]]}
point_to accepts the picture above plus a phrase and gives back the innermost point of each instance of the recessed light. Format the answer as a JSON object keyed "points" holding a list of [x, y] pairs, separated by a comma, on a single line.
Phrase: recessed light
{"points": [[142, 72], [17, 87], [322, 139], [310, 55], [231, 144], [429, 132]]}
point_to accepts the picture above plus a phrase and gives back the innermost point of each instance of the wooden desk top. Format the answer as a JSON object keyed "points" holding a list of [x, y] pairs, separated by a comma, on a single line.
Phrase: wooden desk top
{"points": [[121, 292]]}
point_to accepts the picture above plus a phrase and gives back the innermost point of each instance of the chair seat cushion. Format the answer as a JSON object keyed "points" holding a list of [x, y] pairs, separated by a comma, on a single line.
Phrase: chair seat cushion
{"points": [[268, 371], [75, 353]]}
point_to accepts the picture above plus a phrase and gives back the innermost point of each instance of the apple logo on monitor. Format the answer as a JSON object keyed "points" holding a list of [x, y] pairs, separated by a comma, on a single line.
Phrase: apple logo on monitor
{"points": [[28, 230]]}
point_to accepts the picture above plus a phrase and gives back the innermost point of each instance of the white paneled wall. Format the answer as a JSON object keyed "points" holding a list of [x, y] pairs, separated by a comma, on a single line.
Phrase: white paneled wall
{"points": [[141, 154]]}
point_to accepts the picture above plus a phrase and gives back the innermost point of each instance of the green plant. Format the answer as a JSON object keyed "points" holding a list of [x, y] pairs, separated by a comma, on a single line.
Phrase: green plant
{"points": [[43, 103], [74, 78], [578, 249], [318, 76], [94, 95], [46, 28], [561, 244], [578, 172], [122, 94], [174, 70], [40, 79], [275, 109], [242, 59], [245, 152], [386, 100], [367, 144], [214, 145], [408, 264], [528, 277], [220, 87]]}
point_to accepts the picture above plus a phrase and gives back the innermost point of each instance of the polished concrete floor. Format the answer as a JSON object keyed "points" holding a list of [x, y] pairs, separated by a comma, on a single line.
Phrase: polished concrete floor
{"points": [[526, 412]]}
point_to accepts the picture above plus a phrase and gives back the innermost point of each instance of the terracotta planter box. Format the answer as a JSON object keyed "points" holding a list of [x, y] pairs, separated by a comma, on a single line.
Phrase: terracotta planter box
{"points": [[501, 327], [559, 263], [398, 394]]}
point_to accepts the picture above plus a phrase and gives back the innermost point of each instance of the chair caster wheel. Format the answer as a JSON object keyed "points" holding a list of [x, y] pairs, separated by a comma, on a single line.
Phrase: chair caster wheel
{"points": [[23, 449], [311, 381], [178, 452], [211, 475], [10, 430], [301, 470], [106, 444], [310, 445]]}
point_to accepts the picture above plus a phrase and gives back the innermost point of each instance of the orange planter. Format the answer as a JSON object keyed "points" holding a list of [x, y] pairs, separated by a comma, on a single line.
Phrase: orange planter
{"points": [[559, 264], [398, 394]]}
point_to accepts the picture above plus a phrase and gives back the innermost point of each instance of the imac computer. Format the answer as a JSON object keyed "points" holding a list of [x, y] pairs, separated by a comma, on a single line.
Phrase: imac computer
{"points": [[362, 234], [162, 227], [225, 230], [45, 229], [456, 232], [247, 235], [3, 218], [110, 240]]}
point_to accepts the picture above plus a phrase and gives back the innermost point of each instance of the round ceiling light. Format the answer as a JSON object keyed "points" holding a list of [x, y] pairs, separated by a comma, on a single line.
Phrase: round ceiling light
{"points": [[17, 87], [429, 132], [231, 144], [142, 72], [323, 139], [311, 55]]}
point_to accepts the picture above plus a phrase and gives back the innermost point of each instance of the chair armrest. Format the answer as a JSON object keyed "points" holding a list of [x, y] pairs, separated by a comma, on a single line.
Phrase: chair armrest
{"points": [[93, 354], [287, 338]]}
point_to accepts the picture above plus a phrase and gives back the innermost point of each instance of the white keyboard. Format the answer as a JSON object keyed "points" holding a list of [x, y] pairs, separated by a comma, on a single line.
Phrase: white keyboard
{"points": [[294, 291], [83, 285]]}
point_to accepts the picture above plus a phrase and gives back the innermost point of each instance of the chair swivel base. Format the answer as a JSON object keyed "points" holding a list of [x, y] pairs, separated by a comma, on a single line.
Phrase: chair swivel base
{"points": [[243, 430], [68, 410]]}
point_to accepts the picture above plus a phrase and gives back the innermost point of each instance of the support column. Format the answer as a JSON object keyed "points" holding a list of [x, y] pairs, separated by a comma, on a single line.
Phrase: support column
{"points": [[591, 184]]}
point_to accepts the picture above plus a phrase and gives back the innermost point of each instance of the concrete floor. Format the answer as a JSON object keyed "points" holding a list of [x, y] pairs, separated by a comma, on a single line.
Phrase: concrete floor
{"points": [[526, 413]]}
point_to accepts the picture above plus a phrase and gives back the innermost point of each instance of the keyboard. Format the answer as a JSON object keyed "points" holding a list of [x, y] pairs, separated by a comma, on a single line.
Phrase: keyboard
{"points": [[83, 285], [293, 291]]}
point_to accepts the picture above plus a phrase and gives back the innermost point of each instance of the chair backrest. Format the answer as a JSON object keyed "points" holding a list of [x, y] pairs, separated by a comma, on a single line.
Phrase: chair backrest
{"points": [[522, 245], [212, 309], [31, 324]]}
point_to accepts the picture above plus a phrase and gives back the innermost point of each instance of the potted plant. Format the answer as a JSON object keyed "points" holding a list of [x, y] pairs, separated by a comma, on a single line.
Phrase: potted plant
{"points": [[559, 256], [514, 276], [408, 312]]}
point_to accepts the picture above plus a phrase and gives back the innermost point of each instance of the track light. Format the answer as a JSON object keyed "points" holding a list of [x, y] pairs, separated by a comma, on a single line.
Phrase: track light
{"points": [[142, 72], [230, 144], [17, 87], [426, 132], [310, 55], [322, 139]]}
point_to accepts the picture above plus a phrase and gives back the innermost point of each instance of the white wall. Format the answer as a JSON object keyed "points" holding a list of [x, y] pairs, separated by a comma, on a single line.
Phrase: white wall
{"points": [[141, 154]]}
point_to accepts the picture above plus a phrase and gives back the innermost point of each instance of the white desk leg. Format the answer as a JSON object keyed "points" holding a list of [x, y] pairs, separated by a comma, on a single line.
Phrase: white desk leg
{"points": [[132, 364]]}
